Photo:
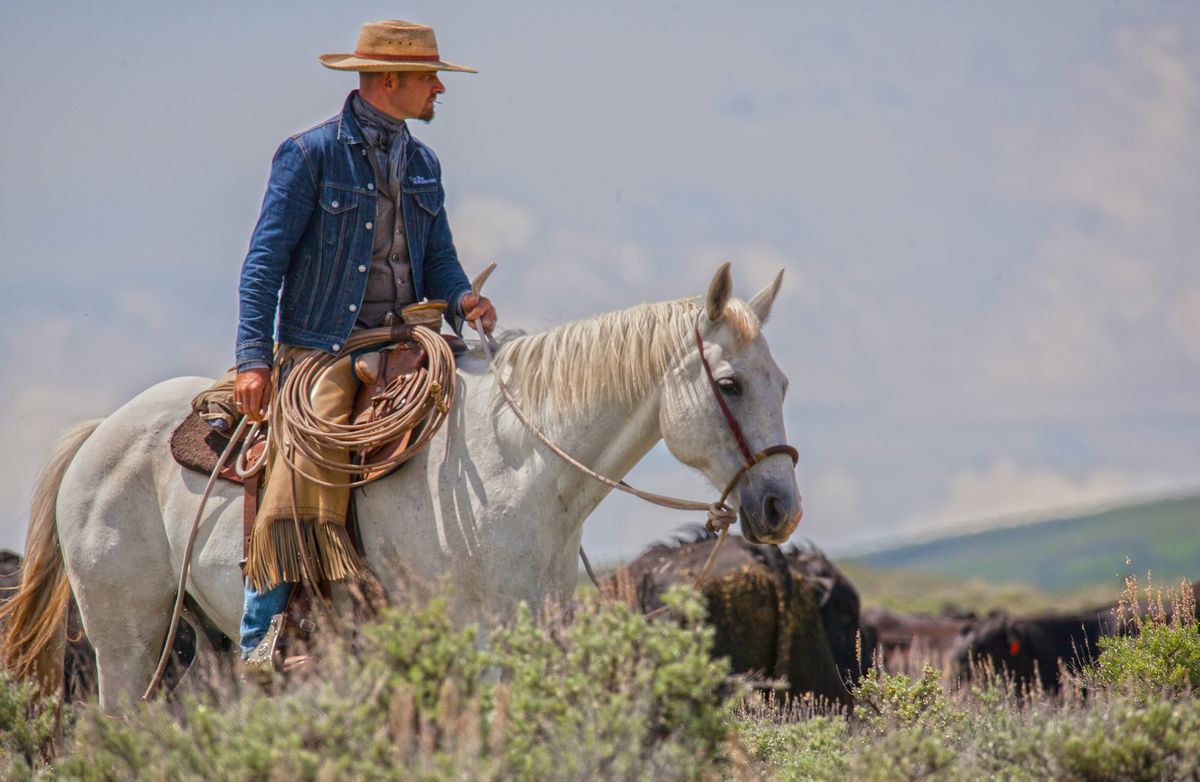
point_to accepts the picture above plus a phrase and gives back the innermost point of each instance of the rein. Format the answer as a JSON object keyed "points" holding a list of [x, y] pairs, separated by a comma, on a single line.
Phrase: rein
{"points": [[177, 611], [720, 515]]}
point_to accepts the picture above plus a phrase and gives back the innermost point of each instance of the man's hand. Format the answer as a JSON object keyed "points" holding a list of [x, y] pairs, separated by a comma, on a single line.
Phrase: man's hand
{"points": [[252, 392], [479, 308]]}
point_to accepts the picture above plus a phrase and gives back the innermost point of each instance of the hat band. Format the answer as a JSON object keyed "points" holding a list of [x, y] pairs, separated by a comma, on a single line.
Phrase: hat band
{"points": [[398, 57]]}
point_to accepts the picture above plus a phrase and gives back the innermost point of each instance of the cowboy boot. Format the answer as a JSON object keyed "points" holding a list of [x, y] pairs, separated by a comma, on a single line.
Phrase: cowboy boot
{"points": [[261, 665]]}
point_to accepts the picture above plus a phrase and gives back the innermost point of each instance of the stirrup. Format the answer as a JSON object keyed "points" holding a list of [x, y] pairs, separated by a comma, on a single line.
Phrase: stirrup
{"points": [[261, 663]]}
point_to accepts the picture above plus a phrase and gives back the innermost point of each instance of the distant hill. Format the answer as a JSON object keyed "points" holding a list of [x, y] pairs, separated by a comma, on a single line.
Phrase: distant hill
{"points": [[1066, 554]]}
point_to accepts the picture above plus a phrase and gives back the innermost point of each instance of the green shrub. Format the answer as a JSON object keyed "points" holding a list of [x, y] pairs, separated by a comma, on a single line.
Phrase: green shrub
{"points": [[810, 749], [28, 724], [423, 650], [1123, 740], [610, 695], [887, 702], [1160, 659], [613, 696], [903, 752]]}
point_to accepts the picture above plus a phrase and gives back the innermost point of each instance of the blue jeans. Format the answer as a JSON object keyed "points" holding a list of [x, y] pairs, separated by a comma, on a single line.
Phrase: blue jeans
{"points": [[257, 612]]}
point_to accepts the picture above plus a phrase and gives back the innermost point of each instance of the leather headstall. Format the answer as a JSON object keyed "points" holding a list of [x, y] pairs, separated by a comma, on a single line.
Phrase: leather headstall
{"points": [[750, 459]]}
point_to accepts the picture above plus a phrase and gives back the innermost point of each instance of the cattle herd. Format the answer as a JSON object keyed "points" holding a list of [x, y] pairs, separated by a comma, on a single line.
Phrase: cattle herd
{"points": [[787, 618], [793, 615]]}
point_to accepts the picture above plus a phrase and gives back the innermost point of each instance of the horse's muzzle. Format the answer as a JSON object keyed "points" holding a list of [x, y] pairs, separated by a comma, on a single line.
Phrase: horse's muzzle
{"points": [[770, 515]]}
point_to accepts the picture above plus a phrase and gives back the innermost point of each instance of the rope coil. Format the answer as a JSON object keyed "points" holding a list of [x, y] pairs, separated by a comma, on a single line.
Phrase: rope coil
{"points": [[422, 398]]}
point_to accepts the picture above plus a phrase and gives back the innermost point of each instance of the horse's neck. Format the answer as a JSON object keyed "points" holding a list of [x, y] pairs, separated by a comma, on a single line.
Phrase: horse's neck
{"points": [[612, 443], [611, 439]]}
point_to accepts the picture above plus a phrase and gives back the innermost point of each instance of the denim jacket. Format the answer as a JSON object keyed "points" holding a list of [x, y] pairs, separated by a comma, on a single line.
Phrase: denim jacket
{"points": [[311, 250]]}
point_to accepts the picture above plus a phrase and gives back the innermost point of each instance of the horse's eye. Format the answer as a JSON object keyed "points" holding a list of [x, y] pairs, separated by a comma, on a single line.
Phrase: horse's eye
{"points": [[729, 385]]}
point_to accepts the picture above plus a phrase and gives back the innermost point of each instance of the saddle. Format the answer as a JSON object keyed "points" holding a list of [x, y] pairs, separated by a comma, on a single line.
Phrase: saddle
{"points": [[197, 445]]}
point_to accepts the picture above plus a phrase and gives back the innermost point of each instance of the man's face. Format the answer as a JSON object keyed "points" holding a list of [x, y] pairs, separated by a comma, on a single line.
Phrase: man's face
{"points": [[413, 93]]}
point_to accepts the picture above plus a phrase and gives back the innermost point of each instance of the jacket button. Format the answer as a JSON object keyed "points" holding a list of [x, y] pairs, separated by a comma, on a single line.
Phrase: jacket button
{"points": [[353, 307], [334, 204], [362, 268], [370, 226], [336, 347], [370, 186]]}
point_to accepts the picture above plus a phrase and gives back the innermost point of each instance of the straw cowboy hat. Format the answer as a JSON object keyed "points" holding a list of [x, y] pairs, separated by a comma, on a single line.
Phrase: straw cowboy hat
{"points": [[393, 45]]}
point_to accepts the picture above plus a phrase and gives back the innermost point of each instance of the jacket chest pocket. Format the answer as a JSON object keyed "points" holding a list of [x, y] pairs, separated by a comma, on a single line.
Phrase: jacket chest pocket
{"points": [[423, 211], [338, 208], [430, 201]]}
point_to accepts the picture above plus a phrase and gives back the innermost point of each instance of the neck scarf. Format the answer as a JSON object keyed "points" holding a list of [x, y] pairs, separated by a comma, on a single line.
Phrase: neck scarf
{"points": [[388, 138]]}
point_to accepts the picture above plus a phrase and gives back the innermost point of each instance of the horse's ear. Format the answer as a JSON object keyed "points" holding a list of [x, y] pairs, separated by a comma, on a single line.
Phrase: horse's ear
{"points": [[719, 291], [762, 301]]}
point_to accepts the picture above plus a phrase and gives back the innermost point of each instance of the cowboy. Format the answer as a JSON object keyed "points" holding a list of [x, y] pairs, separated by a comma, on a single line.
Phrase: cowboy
{"points": [[353, 228]]}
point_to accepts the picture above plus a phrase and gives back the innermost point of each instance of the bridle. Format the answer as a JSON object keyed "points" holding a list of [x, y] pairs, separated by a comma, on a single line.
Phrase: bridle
{"points": [[735, 429], [720, 515]]}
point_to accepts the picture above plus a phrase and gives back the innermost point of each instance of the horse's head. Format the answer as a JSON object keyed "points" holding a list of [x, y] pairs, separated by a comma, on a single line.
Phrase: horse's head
{"points": [[694, 425]]}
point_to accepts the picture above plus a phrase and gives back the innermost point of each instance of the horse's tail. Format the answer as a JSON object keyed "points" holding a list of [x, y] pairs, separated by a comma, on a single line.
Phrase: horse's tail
{"points": [[33, 621]]}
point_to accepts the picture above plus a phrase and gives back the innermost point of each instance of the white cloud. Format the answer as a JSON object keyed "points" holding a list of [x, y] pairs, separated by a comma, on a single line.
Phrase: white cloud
{"points": [[1087, 315], [567, 274], [1126, 134], [1007, 490], [487, 227], [1063, 327]]}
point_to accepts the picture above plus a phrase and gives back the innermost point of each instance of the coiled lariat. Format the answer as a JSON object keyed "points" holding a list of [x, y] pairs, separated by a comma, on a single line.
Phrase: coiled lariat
{"points": [[422, 398]]}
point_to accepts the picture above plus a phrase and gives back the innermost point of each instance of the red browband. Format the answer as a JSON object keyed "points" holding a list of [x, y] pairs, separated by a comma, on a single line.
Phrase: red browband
{"points": [[399, 57]]}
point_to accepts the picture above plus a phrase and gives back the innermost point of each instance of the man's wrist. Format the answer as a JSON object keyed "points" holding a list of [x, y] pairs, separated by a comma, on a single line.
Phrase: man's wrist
{"points": [[245, 366]]}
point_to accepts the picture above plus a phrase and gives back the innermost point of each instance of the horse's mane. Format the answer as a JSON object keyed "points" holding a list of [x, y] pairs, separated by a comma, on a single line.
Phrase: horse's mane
{"points": [[619, 355]]}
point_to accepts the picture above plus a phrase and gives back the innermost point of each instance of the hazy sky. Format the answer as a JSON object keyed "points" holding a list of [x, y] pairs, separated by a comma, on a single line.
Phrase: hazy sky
{"points": [[988, 214]]}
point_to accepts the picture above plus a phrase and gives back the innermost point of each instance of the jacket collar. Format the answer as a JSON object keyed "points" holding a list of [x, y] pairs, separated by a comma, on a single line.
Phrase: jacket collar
{"points": [[349, 131]]}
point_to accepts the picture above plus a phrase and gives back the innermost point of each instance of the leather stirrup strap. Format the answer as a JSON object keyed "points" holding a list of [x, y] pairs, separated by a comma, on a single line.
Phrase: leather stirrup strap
{"points": [[249, 512]]}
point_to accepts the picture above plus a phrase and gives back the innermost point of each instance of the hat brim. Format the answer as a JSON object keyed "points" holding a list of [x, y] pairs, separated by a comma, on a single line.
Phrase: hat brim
{"points": [[349, 62]]}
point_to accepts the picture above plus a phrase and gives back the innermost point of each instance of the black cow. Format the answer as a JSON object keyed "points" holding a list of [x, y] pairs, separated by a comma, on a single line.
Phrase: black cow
{"points": [[853, 643], [765, 615], [1031, 649], [1037, 648]]}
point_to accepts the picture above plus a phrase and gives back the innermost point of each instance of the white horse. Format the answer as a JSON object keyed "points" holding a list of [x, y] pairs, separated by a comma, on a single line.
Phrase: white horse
{"points": [[486, 506]]}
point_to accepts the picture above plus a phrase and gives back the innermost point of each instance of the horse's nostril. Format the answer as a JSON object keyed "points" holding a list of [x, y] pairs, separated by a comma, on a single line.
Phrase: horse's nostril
{"points": [[773, 510]]}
